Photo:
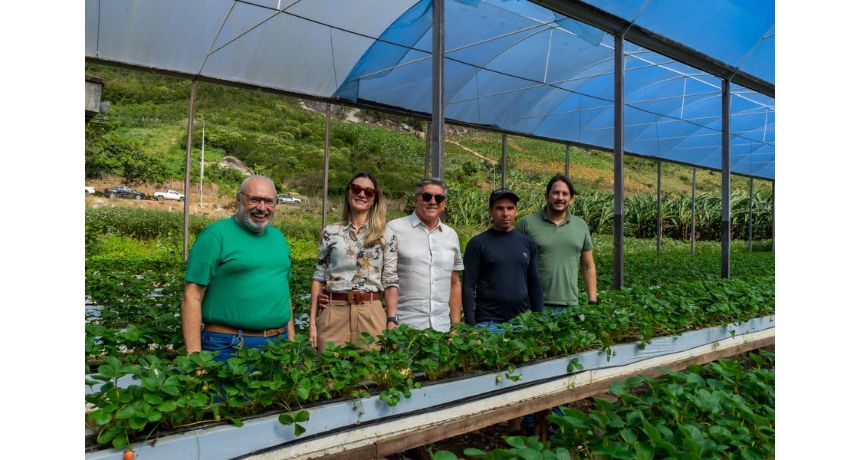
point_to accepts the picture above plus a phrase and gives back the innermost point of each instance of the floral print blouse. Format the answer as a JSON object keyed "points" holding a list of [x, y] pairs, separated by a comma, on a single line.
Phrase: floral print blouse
{"points": [[344, 264]]}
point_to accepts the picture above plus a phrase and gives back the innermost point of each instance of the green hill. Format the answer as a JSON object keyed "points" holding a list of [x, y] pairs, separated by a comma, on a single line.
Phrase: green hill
{"points": [[142, 139]]}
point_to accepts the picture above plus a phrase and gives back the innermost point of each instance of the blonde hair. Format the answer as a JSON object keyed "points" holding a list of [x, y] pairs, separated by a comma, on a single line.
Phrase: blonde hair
{"points": [[377, 218]]}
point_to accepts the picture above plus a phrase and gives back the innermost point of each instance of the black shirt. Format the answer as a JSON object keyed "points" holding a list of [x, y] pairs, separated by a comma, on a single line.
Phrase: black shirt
{"points": [[501, 278]]}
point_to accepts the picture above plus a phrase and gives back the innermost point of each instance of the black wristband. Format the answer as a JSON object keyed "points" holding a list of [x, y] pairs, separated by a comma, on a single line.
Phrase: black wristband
{"points": [[393, 319], [594, 302]]}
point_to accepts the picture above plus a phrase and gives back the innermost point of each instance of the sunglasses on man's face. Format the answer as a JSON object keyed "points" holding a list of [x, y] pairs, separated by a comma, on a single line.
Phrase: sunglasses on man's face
{"points": [[357, 189], [429, 196]]}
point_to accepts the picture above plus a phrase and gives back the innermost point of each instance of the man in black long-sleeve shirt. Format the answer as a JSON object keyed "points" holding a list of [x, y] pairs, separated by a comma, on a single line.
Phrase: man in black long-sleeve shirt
{"points": [[501, 278]]}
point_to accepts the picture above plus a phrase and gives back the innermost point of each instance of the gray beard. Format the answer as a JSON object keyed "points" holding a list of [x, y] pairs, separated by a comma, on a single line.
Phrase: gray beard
{"points": [[248, 223]]}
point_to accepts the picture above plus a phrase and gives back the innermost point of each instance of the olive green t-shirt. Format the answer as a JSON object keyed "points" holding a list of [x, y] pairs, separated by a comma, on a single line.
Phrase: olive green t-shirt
{"points": [[247, 275], [559, 248]]}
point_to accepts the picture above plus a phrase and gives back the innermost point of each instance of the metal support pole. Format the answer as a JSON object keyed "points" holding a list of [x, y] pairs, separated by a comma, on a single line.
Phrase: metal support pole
{"points": [[438, 120], [659, 205], [567, 160], [427, 136], [504, 161], [325, 167], [190, 132], [773, 216], [202, 157], [750, 216], [693, 216], [618, 173], [725, 270]]}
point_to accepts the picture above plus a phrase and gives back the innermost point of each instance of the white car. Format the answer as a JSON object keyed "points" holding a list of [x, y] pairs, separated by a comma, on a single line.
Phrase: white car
{"points": [[168, 195], [288, 199]]}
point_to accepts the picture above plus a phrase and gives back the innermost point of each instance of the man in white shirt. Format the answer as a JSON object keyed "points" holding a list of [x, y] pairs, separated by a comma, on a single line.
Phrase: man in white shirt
{"points": [[428, 261]]}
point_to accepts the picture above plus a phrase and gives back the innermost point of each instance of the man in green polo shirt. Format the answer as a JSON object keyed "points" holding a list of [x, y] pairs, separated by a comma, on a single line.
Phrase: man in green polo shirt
{"points": [[237, 278], [564, 247]]}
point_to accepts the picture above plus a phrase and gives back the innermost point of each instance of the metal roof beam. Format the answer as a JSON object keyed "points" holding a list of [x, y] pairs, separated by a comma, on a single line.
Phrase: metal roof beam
{"points": [[583, 12]]}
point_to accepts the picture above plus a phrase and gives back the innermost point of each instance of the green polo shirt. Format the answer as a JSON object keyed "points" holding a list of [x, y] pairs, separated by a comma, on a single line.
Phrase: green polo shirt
{"points": [[247, 275], [559, 248]]}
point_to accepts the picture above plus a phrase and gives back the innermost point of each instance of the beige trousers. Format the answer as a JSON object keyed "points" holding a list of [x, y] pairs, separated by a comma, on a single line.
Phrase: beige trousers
{"points": [[341, 322]]}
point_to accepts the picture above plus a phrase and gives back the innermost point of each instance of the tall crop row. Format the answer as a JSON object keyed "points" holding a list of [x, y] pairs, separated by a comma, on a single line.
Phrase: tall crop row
{"points": [[640, 213]]}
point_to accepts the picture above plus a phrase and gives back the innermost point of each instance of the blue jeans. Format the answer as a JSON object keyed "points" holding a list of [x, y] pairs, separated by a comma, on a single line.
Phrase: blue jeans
{"points": [[227, 344], [554, 310], [495, 326]]}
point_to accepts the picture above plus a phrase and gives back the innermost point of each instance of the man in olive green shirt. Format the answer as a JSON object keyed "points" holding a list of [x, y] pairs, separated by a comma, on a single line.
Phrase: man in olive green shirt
{"points": [[237, 278], [564, 247]]}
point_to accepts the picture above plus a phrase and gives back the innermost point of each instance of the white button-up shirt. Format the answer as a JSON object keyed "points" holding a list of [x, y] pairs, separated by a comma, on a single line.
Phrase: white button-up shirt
{"points": [[425, 261]]}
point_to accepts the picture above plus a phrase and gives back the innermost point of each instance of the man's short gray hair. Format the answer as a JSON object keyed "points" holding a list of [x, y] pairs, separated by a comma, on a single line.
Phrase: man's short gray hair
{"points": [[248, 179], [431, 180]]}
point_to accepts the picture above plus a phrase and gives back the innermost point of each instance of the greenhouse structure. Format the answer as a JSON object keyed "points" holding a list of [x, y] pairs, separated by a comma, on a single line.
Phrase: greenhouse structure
{"points": [[675, 81]]}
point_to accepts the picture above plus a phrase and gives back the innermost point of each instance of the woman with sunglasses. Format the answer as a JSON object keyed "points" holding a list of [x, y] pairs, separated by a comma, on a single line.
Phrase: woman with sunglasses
{"points": [[356, 262]]}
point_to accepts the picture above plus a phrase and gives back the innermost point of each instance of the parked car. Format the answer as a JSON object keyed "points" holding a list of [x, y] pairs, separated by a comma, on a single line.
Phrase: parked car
{"points": [[288, 199], [89, 190], [168, 195], [124, 191]]}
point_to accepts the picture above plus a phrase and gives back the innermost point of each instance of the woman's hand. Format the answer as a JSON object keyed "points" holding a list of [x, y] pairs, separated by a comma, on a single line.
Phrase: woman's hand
{"points": [[312, 333]]}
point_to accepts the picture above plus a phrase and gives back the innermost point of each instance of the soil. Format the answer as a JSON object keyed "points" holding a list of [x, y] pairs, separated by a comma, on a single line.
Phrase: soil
{"points": [[213, 204]]}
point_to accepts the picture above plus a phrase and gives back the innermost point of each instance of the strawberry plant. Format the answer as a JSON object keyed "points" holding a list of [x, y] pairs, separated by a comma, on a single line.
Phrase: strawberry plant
{"points": [[722, 410]]}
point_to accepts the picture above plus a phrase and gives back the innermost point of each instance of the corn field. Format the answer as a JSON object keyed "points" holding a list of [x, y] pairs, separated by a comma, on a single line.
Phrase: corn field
{"points": [[469, 207]]}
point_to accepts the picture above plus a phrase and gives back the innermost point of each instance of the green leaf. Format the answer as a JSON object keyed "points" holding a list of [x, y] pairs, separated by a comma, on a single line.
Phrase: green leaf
{"points": [[137, 422], [643, 451], [628, 435], [750, 454], [299, 430], [286, 419], [152, 398], [125, 412], [527, 453], [108, 434], [617, 388], [172, 390], [153, 416], [100, 417], [472, 452], [516, 441], [614, 450], [562, 454], [119, 441], [719, 433], [604, 405], [167, 406], [236, 421], [302, 416], [444, 455]]}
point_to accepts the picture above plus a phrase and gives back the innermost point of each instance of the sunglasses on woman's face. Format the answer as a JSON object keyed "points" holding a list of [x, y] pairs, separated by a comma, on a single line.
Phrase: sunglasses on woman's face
{"points": [[429, 196], [357, 189]]}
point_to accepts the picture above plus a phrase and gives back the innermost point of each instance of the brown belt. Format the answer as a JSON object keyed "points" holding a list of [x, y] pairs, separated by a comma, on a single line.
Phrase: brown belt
{"points": [[355, 297], [229, 330]]}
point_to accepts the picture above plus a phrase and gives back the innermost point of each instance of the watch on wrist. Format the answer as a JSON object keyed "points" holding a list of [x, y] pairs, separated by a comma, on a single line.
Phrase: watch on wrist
{"points": [[393, 319], [593, 302]]}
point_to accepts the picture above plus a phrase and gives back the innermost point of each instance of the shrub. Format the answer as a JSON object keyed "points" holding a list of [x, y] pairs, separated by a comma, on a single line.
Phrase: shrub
{"points": [[139, 223]]}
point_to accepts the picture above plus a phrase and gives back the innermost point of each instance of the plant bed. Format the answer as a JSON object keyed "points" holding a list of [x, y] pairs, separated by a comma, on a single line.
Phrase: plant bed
{"points": [[338, 421], [724, 409], [170, 394]]}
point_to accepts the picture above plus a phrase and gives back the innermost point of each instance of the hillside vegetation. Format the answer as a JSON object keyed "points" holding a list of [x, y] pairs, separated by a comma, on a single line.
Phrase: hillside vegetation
{"points": [[275, 135], [141, 140]]}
